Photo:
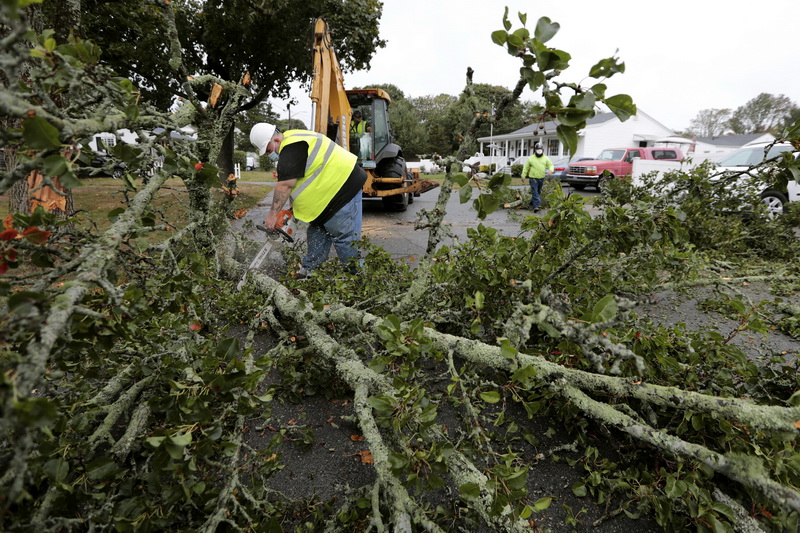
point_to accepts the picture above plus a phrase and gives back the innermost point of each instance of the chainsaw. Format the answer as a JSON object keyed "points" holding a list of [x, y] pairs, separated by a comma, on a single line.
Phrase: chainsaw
{"points": [[284, 230]]}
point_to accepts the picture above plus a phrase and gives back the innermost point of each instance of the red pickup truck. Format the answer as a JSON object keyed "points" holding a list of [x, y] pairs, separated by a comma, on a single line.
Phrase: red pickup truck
{"points": [[617, 161]]}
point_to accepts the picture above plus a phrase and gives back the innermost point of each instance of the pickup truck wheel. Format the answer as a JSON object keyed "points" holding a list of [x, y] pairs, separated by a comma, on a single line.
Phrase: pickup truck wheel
{"points": [[775, 202]]}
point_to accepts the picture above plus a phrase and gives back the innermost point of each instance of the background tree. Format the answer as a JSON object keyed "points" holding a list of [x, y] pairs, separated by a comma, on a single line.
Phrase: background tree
{"points": [[407, 129], [710, 122], [64, 18], [792, 117], [432, 111], [763, 114], [484, 97], [226, 39], [263, 112]]}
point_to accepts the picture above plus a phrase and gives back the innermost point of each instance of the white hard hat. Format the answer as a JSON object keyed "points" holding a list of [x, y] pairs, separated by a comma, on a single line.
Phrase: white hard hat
{"points": [[260, 135]]}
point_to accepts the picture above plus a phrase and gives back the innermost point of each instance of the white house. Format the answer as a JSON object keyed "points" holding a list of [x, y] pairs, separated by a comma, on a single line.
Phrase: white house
{"points": [[605, 130], [714, 148], [602, 131], [102, 140]]}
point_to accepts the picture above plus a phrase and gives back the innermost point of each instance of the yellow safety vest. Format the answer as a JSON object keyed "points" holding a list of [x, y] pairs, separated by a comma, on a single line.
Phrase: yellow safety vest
{"points": [[359, 128], [327, 169]]}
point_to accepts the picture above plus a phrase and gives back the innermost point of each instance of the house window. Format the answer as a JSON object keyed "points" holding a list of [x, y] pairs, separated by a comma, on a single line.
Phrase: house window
{"points": [[105, 141], [553, 146]]}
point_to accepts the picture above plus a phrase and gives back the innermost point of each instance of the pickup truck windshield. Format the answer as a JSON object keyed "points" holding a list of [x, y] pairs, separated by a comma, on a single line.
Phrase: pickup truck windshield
{"points": [[611, 155]]}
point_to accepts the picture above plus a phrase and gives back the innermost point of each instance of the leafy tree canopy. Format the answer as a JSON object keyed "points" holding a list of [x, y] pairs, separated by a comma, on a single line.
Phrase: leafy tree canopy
{"points": [[710, 122], [227, 38], [764, 113]]}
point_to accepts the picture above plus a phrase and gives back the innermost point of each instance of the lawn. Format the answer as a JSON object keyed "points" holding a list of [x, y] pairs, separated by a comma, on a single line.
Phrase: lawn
{"points": [[99, 196]]}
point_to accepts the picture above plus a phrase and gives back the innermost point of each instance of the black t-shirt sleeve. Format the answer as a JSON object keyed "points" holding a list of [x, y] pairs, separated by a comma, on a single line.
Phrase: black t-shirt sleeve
{"points": [[292, 162]]}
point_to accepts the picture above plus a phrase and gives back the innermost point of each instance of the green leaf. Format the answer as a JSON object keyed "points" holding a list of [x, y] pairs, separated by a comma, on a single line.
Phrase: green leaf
{"points": [[490, 397], [396, 461], [794, 399], [534, 78], [604, 310], [174, 451], [723, 509], [486, 204], [228, 349], [583, 101], [182, 439], [155, 442], [542, 503], [381, 404], [465, 193], [39, 134], [607, 67], [101, 468], [35, 412], [574, 117], [515, 41], [55, 165], [546, 29], [622, 106], [498, 180], [10, 7], [469, 491], [479, 299], [56, 469], [579, 489], [568, 137], [114, 214], [793, 130], [460, 179]]}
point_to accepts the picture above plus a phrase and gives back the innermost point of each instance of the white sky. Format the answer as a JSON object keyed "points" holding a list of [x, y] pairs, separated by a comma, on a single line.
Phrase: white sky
{"points": [[681, 56]]}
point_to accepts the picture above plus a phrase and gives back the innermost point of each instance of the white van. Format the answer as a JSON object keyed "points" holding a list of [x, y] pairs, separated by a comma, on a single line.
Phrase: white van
{"points": [[741, 161]]}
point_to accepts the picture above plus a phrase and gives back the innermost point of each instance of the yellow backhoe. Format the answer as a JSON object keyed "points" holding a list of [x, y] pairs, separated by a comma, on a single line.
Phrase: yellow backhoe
{"points": [[358, 120]]}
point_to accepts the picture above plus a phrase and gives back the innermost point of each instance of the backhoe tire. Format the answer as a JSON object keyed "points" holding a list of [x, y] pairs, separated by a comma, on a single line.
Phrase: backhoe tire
{"points": [[394, 168]]}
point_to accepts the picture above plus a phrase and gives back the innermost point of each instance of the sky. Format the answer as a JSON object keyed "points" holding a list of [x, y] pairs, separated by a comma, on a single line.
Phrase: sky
{"points": [[681, 57]]}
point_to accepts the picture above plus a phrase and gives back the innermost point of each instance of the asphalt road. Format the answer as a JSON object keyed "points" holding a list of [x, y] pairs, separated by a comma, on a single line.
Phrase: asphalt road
{"points": [[394, 231]]}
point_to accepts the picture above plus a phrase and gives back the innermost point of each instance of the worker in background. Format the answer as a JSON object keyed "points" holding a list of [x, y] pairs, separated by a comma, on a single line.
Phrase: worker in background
{"points": [[358, 126], [324, 183], [361, 144], [536, 168]]}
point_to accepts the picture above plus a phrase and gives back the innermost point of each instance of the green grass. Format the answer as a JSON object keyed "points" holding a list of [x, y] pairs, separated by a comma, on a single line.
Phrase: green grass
{"points": [[98, 196], [256, 175]]}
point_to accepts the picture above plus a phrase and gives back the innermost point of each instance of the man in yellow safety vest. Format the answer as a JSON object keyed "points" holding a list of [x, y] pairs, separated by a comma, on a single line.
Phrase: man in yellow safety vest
{"points": [[324, 182]]}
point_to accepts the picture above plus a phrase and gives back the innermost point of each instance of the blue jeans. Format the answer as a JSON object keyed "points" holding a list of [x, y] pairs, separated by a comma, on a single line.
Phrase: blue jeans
{"points": [[342, 230], [536, 191]]}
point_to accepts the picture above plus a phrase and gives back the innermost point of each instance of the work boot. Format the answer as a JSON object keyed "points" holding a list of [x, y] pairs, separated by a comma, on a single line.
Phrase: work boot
{"points": [[302, 273]]}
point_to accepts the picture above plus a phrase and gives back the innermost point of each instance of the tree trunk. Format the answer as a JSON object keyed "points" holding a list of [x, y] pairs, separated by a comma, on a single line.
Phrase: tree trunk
{"points": [[225, 158], [65, 17]]}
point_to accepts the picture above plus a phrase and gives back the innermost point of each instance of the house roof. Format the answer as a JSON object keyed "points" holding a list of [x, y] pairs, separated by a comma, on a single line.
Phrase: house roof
{"points": [[550, 126], [731, 140]]}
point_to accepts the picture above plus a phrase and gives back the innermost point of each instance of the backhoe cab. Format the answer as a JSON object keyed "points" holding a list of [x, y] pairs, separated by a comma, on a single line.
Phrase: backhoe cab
{"points": [[358, 120]]}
